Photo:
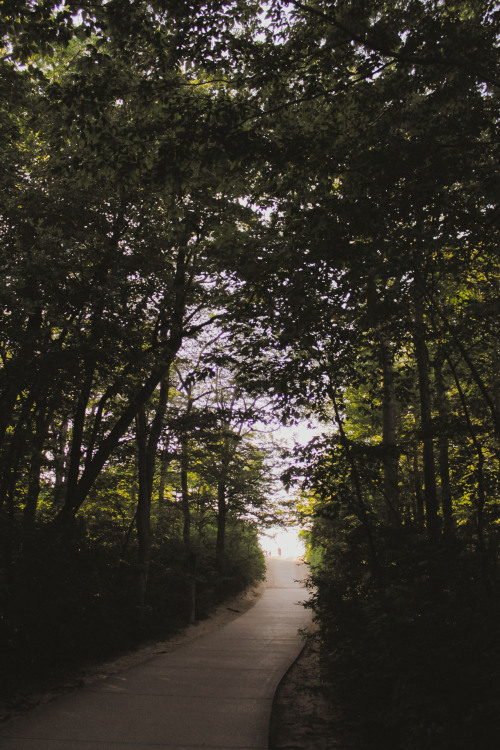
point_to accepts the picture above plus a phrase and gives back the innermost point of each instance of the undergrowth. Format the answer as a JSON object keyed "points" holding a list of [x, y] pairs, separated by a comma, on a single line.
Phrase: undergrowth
{"points": [[411, 649]]}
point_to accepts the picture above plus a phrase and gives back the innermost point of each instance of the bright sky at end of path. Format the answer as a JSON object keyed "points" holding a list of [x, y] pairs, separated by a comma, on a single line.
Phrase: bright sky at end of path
{"points": [[286, 540]]}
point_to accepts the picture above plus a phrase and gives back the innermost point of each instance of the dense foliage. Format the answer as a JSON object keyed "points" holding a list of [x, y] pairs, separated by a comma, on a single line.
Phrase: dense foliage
{"points": [[217, 211]]}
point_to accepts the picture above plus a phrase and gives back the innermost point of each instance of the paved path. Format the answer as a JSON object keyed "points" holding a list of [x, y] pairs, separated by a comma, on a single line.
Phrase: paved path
{"points": [[215, 692]]}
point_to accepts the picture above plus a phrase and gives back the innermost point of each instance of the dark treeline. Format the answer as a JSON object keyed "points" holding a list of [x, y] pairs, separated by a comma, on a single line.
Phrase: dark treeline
{"points": [[214, 211]]}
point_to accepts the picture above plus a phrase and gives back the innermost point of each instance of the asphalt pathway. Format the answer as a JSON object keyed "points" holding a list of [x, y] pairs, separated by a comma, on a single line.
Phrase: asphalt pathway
{"points": [[214, 692]]}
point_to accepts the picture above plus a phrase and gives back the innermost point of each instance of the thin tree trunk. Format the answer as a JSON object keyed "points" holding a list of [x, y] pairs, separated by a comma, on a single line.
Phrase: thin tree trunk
{"points": [[481, 492], [169, 349], [389, 432], [42, 424], [164, 464], [220, 544], [10, 464], [75, 452], [490, 402], [8, 491], [419, 496], [186, 511], [59, 450], [190, 555], [90, 473], [422, 358], [143, 515], [15, 374], [361, 508], [443, 444], [147, 444], [156, 429]]}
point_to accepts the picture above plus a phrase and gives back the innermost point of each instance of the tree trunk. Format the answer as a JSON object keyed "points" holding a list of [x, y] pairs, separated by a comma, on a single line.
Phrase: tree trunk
{"points": [[419, 497], [389, 438], [190, 555], [443, 444], [186, 511], [90, 473], [220, 544], [489, 400], [59, 451], [156, 429], [481, 492], [75, 452], [422, 358], [42, 424], [147, 445], [15, 373], [164, 464], [143, 515], [13, 452], [360, 507], [160, 370]]}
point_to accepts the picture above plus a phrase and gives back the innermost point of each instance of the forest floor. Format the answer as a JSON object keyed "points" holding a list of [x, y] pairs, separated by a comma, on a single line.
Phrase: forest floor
{"points": [[302, 717]]}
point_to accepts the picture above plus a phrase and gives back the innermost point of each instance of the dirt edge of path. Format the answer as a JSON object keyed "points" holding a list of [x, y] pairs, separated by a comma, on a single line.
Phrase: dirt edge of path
{"points": [[303, 717]]}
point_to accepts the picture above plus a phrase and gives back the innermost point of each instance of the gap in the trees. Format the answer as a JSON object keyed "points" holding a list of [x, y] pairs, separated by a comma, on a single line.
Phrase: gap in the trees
{"points": [[284, 543]]}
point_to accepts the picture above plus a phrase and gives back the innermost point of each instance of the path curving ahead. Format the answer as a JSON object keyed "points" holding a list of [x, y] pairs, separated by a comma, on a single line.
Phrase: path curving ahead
{"points": [[215, 692]]}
